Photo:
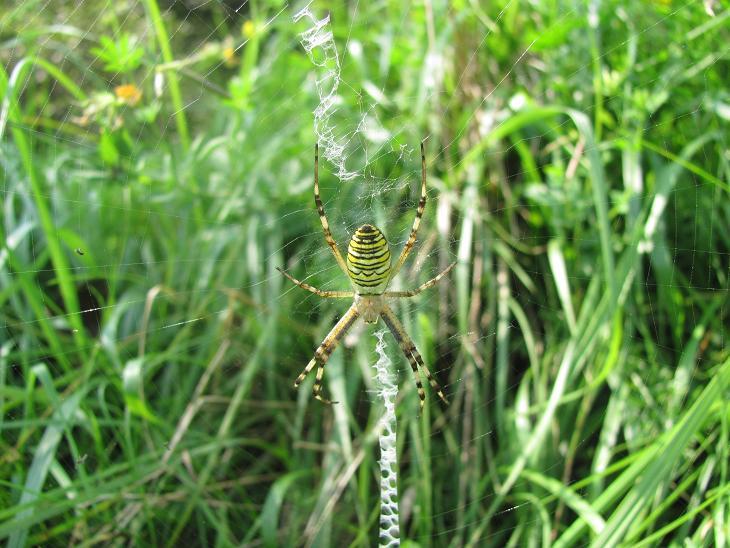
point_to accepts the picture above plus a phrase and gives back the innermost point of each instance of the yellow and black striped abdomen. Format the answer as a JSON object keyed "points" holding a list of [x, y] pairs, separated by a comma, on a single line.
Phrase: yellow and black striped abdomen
{"points": [[368, 260]]}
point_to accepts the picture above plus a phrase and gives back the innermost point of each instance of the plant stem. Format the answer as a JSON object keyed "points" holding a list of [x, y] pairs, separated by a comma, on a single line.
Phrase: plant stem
{"points": [[163, 40]]}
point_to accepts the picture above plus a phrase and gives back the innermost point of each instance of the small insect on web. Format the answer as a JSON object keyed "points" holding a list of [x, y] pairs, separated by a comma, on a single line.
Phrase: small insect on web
{"points": [[369, 271]]}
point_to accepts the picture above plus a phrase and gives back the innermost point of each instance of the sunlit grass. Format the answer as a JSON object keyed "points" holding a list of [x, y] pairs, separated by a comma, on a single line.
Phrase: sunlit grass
{"points": [[577, 173]]}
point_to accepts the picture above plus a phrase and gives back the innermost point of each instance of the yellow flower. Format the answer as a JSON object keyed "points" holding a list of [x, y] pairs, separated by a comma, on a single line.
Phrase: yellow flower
{"points": [[229, 52], [248, 29], [128, 93]]}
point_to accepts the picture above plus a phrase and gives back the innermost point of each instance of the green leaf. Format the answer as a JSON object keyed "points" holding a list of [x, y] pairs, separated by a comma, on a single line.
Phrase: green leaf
{"points": [[108, 151], [132, 380], [659, 470], [579, 505], [44, 456], [272, 506], [121, 55]]}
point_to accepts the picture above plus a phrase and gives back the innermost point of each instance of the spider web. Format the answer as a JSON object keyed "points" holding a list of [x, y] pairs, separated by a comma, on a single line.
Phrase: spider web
{"points": [[158, 398]]}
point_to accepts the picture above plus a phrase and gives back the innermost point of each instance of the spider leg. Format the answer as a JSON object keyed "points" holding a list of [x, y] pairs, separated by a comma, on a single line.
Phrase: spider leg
{"points": [[417, 221], [320, 292], [324, 350], [410, 351], [429, 283], [323, 218]]}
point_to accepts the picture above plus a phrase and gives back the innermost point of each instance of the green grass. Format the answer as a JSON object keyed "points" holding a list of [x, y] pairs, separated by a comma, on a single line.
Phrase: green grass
{"points": [[578, 173]]}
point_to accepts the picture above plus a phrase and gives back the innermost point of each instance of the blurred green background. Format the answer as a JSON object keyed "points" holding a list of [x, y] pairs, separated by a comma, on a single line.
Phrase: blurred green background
{"points": [[157, 166]]}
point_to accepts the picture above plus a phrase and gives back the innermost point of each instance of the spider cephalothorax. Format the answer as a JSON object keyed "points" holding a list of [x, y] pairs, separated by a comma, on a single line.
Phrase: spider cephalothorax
{"points": [[369, 271]]}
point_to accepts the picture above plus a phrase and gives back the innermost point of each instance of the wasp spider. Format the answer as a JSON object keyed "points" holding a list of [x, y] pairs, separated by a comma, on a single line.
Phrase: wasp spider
{"points": [[369, 271]]}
